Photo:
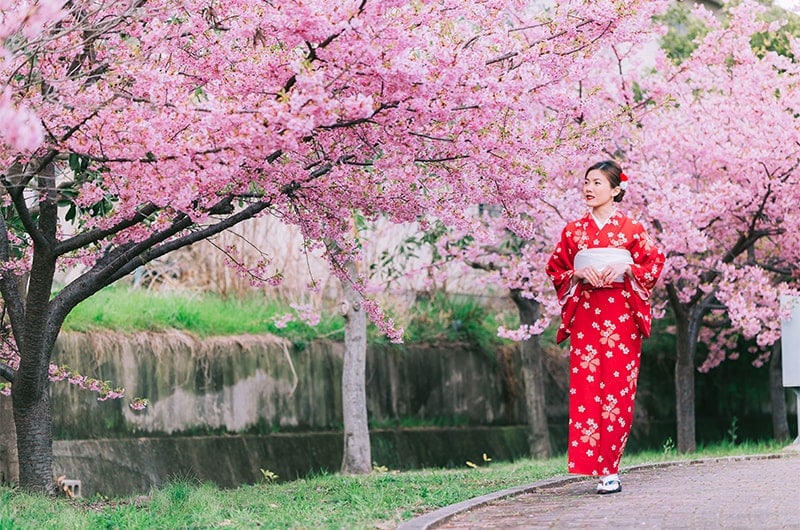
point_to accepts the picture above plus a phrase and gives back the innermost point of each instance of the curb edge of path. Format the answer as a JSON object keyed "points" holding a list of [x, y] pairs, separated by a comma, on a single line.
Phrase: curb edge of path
{"points": [[437, 517]]}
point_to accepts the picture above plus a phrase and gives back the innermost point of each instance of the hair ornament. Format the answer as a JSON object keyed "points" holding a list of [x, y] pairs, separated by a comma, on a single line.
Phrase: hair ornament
{"points": [[623, 181]]}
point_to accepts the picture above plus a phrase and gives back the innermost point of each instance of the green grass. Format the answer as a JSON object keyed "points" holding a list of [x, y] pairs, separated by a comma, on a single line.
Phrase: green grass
{"points": [[127, 310], [378, 500]]}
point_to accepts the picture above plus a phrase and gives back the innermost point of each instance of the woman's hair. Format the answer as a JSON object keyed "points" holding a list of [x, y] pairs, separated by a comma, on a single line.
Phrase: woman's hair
{"points": [[613, 173]]}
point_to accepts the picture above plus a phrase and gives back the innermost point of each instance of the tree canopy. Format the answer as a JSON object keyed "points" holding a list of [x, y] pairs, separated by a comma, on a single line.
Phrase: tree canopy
{"points": [[136, 128]]}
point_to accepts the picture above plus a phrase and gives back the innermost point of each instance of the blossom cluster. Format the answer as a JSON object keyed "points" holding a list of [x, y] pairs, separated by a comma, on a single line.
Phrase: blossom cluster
{"points": [[166, 129], [103, 389]]}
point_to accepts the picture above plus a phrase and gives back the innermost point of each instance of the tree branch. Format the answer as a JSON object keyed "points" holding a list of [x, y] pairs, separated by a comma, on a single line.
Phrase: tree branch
{"points": [[586, 45], [192, 237], [681, 309], [93, 236], [125, 259], [442, 159], [8, 373], [429, 137], [15, 192]]}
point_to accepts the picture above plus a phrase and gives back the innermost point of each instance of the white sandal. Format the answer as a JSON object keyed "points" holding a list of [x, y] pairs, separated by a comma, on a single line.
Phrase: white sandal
{"points": [[609, 485]]}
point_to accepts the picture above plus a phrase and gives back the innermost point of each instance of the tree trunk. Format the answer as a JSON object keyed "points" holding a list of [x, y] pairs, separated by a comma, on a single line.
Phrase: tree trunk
{"points": [[9, 462], [30, 391], [777, 395], [686, 345], [534, 378], [35, 443], [357, 457]]}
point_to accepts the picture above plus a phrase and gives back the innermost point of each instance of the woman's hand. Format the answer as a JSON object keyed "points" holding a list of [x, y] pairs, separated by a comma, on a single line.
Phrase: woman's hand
{"points": [[603, 277], [612, 271], [590, 275]]}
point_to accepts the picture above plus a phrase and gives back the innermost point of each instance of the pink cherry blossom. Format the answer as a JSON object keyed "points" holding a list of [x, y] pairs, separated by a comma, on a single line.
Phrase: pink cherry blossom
{"points": [[188, 117]]}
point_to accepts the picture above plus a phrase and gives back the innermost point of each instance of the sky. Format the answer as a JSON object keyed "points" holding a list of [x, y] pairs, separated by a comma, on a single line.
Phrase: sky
{"points": [[792, 5]]}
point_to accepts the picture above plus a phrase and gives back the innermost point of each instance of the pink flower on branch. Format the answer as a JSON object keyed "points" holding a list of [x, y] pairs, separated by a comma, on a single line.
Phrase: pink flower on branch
{"points": [[723, 208], [103, 389], [191, 117]]}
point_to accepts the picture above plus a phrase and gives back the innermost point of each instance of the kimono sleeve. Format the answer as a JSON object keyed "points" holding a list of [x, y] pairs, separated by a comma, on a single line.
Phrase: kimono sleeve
{"points": [[560, 266], [648, 261]]}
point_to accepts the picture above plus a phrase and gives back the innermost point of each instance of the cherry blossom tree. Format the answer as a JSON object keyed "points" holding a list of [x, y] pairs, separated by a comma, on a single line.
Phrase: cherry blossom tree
{"points": [[357, 454], [713, 152], [716, 168], [136, 128], [511, 242]]}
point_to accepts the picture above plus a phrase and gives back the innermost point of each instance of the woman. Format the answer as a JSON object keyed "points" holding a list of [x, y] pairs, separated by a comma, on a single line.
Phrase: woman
{"points": [[603, 269]]}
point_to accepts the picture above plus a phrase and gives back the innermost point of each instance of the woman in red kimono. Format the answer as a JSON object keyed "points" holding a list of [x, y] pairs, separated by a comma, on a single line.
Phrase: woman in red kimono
{"points": [[603, 269]]}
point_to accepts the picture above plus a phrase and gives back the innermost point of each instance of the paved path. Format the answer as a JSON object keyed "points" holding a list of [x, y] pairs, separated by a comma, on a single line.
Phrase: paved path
{"points": [[732, 493]]}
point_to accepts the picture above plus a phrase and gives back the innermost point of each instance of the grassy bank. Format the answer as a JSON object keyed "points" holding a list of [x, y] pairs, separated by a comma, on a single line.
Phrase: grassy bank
{"points": [[124, 309], [128, 310], [382, 499]]}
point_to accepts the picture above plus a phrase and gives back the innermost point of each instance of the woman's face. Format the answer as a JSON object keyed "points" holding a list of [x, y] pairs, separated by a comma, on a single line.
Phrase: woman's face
{"points": [[597, 189]]}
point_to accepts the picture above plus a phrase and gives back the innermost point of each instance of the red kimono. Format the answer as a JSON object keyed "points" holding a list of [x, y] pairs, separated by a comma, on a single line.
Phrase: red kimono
{"points": [[605, 326]]}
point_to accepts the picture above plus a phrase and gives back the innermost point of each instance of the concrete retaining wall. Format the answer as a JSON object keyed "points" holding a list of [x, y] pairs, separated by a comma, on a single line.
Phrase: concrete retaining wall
{"points": [[134, 465], [263, 384]]}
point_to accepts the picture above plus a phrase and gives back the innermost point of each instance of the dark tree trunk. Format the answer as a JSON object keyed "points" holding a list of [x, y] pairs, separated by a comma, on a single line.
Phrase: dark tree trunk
{"points": [[33, 422], [35, 319], [684, 388], [777, 395], [687, 329], [357, 457], [534, 377], [31, 398], [30, 391]]}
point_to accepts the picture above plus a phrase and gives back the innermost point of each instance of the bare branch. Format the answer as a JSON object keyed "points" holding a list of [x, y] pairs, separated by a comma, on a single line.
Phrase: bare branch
{"points": [[586, 45], [15, 191], [124, 259], [442, 159]]}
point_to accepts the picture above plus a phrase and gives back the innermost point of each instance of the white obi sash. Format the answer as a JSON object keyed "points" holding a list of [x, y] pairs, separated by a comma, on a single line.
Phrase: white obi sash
{"points": [[601, 257]]}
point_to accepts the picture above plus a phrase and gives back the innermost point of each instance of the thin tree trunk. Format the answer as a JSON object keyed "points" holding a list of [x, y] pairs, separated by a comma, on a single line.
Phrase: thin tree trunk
{"points": [[357, 457], [777, 395], [534, 377], [9, 461], [686, 344]]}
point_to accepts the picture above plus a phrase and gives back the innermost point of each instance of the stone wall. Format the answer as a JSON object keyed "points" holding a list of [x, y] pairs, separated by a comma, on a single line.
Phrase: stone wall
{"points": [[273, 405], [262, 384], [135, 465]]}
